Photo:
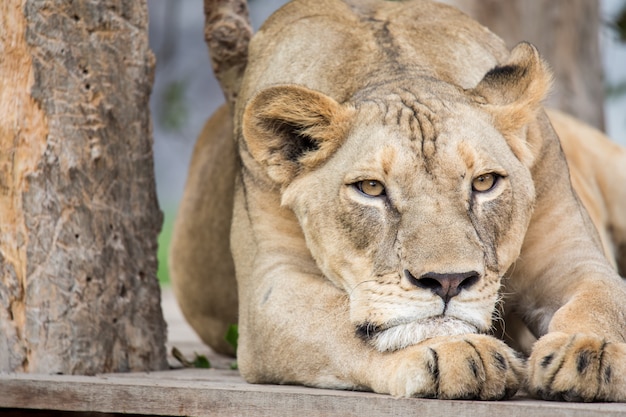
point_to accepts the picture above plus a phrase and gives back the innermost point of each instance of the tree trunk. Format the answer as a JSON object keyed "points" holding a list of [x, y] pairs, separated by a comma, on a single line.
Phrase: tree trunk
{"points": [[566, 32], [79, 216]]}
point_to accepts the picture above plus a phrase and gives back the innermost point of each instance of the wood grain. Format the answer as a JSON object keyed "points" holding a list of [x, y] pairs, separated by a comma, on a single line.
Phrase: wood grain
{"points": [[223, 393]]}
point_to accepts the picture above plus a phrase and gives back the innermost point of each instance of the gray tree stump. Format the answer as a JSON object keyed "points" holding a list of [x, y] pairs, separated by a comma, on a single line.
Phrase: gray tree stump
{"points": [[79, 217]]}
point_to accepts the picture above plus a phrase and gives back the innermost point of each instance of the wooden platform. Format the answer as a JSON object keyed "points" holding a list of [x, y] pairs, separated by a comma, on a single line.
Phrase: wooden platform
{"points": [[221, 392]]}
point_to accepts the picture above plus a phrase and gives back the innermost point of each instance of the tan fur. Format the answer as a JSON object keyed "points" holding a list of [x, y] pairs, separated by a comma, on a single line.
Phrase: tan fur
{"points": [[598, 170], [201, 262], [340, 290]]}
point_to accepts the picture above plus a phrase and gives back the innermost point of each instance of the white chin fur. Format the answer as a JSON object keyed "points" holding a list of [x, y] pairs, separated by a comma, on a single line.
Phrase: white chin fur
{"points": [[404, 335]]}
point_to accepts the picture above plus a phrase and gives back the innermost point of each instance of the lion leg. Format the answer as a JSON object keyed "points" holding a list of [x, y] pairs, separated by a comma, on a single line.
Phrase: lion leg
{"points": [[583, 355], [567, 292], [616, 202], [201, 266], [598, 174]]}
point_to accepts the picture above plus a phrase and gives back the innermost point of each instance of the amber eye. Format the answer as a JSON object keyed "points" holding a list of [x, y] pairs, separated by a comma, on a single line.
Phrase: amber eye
{"points": [[484, 182], [371, 188]]}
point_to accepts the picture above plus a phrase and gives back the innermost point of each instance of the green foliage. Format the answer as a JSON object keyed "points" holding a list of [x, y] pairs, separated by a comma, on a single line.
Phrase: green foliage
{"points": [[199, 361], [616, 90], [164, 246], [232, 337], [173, 112]]}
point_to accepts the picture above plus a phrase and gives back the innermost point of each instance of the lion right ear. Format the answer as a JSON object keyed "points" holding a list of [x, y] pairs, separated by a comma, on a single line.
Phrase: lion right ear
{"points": [[513, 94], [291, 129]]}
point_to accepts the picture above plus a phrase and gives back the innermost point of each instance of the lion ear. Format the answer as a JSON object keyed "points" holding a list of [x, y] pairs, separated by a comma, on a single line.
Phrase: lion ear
{"points": [[290, 129], [513, 94]]}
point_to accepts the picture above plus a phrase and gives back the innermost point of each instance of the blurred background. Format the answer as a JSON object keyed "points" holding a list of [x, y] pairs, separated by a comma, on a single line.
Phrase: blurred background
{"points": [[185, 92]]}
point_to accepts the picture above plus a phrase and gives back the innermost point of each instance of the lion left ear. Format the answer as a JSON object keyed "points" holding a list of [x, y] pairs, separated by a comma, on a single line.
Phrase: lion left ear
{"points": [[513, 93], [291, 129]]}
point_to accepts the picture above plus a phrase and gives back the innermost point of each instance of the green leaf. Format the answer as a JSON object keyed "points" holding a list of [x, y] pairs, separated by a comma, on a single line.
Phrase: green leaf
{"points": [[173, 112], [164, 240], [201, 361], [232, 335]]}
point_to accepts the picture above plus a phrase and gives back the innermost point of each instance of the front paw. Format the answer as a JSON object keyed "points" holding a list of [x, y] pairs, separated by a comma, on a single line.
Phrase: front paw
{"points": [[463, 367], [577, 368]]}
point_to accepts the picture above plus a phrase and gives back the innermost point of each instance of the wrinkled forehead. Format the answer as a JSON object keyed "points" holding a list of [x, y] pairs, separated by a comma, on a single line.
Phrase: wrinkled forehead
{"points": [[422, 127]]}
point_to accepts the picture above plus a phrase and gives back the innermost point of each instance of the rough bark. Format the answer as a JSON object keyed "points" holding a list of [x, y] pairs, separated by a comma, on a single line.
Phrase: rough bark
{"points": [[227, 32], [566, 32], [79, 216]]}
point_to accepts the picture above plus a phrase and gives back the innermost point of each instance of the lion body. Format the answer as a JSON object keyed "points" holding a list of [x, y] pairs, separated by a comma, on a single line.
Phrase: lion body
{"points": [[368, 252]]}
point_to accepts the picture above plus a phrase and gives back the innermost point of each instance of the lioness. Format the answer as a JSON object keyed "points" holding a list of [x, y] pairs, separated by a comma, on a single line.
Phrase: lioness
{"points": [[396, 190]]}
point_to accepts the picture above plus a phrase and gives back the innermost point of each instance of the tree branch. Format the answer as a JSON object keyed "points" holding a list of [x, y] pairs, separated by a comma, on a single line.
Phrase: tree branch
{"points": [[227, 32]]}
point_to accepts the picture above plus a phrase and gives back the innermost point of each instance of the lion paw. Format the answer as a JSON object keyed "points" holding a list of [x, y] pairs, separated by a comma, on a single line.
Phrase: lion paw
{"points": [[465, 367], [577, 368]]}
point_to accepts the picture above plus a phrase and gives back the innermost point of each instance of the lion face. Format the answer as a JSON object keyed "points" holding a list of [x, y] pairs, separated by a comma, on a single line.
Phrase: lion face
{"points": [[412, 198], [417, 218]]}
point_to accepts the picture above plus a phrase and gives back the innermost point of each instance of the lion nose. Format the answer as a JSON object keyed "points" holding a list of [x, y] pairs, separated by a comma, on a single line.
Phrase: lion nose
{"points": [[445, 286]]}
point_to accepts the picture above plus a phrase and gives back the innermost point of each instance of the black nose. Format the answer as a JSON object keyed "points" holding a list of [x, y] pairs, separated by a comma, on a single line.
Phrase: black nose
{"points": [[445, 286]]}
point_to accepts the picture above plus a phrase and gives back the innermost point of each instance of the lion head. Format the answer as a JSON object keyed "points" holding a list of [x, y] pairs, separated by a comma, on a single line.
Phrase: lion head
{"points": [[413, 195]]}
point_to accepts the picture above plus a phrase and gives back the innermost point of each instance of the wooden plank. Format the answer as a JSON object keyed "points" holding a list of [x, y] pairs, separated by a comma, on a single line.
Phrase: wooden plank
{"points": [[223, 393]]}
